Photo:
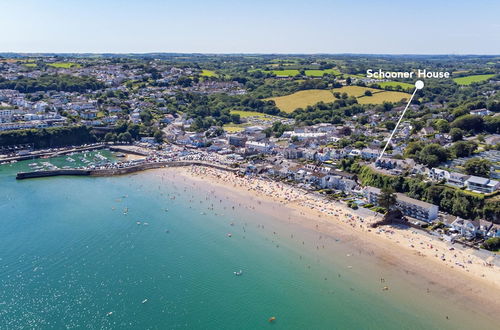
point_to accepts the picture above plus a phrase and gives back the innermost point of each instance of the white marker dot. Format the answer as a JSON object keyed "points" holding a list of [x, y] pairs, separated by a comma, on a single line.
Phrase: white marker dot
{"points": [[419, 84]]}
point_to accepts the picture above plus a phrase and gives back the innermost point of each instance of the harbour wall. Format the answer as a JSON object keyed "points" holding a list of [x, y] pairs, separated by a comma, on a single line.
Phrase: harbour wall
{"points": [[118, 171]]}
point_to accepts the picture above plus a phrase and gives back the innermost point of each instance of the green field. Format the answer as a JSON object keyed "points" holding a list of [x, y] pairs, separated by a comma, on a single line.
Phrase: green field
{"points": [[64, 65], [208, 73], [246, 114], [473, 79], [396, 83], [321, 73], [288, 73], [30, 65]]}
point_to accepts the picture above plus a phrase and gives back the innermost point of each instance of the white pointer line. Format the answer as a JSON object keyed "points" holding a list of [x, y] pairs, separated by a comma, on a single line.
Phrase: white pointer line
{"points": [[418, 85]]}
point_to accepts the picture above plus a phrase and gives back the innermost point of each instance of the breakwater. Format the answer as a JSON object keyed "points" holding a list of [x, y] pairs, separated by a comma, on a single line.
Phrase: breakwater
{"points": [[118, 170]]}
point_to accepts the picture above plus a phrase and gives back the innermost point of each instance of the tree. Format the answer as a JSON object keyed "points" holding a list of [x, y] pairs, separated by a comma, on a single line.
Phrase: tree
{"points": [[456, 134], [387, 198], [368, 92], [390, 125], [432, 154], [158, 135], [492, 124], [478, 166], [463, 148], [125, 137], [468, 123], [235, 118], [146, 117], [492, 244], [110, 137], [443, 126]]}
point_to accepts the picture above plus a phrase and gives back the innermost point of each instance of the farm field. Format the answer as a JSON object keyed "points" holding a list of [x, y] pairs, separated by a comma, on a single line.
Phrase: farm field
{"points": [[355, 91], [289, 73], [246, 114], [302, 99], [473, 79], [64, 65], [381, 97], [208, 73], [320, 73], [396, 83]]}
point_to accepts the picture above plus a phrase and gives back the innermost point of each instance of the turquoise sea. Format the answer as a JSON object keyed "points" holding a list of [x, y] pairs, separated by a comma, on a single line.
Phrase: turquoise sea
{"points": [[151, 252]]}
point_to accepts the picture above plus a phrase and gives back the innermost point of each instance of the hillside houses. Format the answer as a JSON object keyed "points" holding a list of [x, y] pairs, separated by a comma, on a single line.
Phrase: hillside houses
{"points": [[471, 182]]}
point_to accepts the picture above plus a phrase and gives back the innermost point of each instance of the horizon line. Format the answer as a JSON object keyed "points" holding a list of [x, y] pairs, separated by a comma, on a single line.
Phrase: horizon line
{"points": [[241, 53]]}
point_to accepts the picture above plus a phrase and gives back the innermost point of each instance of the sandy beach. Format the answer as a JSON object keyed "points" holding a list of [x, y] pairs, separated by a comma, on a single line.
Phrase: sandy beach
{"points": [[449, 270]]}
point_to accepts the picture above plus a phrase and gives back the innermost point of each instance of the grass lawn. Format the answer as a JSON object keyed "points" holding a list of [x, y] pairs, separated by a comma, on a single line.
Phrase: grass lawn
{"points": [[233, 128], [289, 73], [64, 65], [208, 73], [472, 79], [396, 83], [320, 73], [30, 65], [246, 114], [302, 99]]}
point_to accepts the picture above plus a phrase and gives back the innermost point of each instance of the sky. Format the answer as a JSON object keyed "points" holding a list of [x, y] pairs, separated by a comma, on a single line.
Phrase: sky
{"points": [[256, 26]]}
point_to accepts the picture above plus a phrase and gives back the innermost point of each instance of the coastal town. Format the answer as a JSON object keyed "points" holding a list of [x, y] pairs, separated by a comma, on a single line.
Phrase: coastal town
{"points": [[250, 164], [444, 167]]}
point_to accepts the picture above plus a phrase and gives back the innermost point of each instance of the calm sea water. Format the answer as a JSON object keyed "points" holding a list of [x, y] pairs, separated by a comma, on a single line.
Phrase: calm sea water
{"points": [[72, 255]]}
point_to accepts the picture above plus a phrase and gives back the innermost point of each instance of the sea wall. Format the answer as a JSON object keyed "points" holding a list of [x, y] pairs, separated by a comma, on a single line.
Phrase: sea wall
{"points": [[118, 171], [41, 174]]}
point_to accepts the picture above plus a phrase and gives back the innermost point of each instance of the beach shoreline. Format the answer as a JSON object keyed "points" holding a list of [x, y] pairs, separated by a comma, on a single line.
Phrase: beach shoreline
{"points": [[427, 258]]}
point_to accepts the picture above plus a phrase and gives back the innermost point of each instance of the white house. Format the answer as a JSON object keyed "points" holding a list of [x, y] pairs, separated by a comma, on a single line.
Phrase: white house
{"points": [[482, 185]]}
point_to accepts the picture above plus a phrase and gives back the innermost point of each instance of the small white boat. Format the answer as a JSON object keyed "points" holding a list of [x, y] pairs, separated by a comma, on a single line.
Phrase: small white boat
{"points": [[238, 273], [144, 301]]}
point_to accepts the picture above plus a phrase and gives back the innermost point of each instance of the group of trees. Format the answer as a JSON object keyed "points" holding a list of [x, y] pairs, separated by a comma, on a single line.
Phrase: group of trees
{"points": [[433, 154], [277, 129], [333, 112], [478, 166], [49, 137], [128, 132], [475, 124], [428, 154], [66, 83]]}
